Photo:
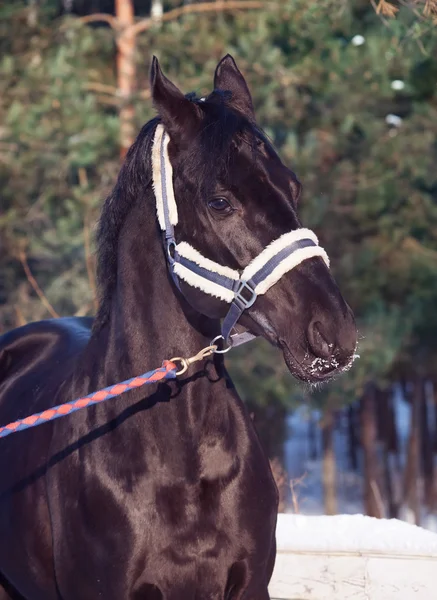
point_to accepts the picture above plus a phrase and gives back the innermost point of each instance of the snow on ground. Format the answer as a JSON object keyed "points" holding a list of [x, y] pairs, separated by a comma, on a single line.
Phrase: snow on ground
{"points": [[353, 533]]}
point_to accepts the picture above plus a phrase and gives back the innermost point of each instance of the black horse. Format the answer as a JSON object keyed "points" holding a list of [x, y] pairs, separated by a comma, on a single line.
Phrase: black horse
{"points": [[164, 492]]}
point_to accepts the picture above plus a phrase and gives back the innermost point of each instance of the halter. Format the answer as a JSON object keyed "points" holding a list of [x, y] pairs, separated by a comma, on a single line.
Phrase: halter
{"points": [[185, 263]]}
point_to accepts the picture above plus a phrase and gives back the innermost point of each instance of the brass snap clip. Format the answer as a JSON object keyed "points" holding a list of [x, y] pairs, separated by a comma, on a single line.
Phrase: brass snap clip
{"points": [[186, 362]]}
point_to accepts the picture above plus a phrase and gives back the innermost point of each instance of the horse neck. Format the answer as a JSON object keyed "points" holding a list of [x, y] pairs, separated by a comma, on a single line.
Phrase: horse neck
{"points": [[149, 320]]}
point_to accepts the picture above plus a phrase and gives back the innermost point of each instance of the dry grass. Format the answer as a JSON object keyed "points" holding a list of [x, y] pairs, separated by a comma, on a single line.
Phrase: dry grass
{"points": [[289, 489]]}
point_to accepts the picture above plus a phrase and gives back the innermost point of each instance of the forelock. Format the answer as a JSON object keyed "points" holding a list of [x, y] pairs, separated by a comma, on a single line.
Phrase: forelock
{"points": [[222, 129]]}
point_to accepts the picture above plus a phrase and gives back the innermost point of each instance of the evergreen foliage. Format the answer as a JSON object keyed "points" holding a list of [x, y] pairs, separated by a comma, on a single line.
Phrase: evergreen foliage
{"points": [[322, 93]]}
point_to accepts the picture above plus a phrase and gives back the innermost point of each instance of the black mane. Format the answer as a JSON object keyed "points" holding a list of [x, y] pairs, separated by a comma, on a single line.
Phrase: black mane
{"points": [[210, 155]]}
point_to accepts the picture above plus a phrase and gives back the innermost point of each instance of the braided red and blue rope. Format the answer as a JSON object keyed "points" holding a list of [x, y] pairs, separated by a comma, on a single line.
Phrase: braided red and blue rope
{"points": [[167, 371]]}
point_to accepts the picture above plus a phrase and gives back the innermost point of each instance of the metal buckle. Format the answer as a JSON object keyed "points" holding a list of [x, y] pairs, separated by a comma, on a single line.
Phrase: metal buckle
{"points": [[239, 298]]}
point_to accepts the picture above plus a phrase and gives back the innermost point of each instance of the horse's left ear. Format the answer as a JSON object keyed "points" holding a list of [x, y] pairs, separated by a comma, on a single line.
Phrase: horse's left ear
{"points": [[228, 78], [177, 112]]}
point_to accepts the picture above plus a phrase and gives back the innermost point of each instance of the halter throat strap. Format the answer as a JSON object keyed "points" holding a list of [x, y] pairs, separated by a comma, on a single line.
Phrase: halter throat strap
{"points": [[185, 263]]}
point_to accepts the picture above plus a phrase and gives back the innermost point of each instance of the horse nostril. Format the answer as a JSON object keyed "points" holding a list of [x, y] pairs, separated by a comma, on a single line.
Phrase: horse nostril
{"points": [[318, 342]]}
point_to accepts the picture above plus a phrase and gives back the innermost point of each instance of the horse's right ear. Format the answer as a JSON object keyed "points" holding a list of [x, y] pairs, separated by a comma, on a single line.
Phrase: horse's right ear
{"points": [[177, 112]]}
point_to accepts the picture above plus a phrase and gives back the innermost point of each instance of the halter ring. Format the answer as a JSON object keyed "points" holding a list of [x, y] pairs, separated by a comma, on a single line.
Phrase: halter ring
{"points": [[217, 351], [182, 361], [171, 247]]}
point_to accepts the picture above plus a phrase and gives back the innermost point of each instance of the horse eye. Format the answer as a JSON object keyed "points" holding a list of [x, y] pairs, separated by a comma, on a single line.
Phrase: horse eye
{"points": [[220, 205]]}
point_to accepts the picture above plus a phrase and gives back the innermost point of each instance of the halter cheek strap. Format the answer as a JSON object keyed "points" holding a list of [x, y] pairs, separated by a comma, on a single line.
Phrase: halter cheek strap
{"points": [[240, 290]]}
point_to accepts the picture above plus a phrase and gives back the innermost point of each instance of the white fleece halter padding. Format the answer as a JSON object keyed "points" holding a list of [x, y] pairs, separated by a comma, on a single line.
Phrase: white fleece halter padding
{"points": [[286, 264], [209, 287], [157, 178], [274, 248], [199, 282], [187, 251]]}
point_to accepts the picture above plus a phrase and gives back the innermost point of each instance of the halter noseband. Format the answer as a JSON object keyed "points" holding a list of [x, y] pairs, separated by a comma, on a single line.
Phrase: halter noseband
{"points": [[239, 289]]}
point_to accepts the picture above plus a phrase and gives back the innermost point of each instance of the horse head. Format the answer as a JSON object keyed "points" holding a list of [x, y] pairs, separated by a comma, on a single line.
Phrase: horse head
{"points": [[227, 208]]}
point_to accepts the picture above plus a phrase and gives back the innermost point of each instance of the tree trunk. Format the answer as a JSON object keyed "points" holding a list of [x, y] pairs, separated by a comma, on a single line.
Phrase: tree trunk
{"points": [[411, 480], [372, 496], [426, 449], [393, 438], [388, 437], [434, 392], [329, 468], [312, 437], [124, 11], [394, 458], [393, 505], [352, 437]]}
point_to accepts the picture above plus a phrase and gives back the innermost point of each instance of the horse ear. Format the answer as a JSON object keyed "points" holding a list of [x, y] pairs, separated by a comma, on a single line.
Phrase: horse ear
{"points": [[176, 111], [228, 78]]}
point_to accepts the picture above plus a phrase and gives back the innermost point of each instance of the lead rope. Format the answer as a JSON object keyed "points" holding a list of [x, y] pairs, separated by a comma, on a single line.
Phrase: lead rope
{"points": [[169, 370]]}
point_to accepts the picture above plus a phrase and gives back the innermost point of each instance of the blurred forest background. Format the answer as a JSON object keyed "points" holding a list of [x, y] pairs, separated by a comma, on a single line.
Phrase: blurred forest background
{"points": [[347, 90]]}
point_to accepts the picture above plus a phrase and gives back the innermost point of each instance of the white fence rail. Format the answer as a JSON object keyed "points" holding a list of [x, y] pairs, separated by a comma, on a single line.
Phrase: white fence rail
{"points": [[352, 557]]}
